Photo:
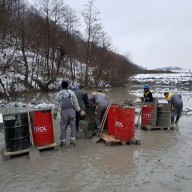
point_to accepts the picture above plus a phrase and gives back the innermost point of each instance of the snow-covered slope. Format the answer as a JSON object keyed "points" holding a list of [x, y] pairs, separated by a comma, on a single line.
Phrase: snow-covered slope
{"points": [[176, 78]]}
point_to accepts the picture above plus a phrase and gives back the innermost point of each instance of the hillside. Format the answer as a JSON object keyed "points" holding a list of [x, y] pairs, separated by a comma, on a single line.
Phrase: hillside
{"points": [[181, 80], [170, 69], [40, 46]]}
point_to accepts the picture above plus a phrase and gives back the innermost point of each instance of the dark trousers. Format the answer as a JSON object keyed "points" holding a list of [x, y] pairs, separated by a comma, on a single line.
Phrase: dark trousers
{"points": [[78, 118]]}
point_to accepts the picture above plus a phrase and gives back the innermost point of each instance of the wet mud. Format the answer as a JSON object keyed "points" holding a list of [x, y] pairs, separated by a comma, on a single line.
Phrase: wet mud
{"points": [[161, 163]]}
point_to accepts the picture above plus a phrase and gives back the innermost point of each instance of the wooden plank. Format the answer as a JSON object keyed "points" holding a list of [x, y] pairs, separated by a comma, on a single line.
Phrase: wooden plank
{"points": [[7, 154], [150, 128], [108, 137], [109, 140], [100, 131], [113, 139], [50, 146]]}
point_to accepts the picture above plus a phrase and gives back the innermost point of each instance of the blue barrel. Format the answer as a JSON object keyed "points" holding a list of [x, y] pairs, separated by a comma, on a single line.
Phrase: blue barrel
{"points": [[16, 131]]}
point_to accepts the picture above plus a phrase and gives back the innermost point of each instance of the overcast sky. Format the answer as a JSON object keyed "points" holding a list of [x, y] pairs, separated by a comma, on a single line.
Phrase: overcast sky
{"points": [[155, 33]]}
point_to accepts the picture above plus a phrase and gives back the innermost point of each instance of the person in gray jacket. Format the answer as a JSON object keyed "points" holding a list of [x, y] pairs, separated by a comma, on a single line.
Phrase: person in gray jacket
{"points": [[68, 103], [100, 101], [176, 103]]}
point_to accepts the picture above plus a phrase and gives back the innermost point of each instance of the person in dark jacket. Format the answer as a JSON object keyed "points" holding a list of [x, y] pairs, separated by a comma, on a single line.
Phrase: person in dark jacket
{"points": [[176, 103], [147, 96], [83, 101]]}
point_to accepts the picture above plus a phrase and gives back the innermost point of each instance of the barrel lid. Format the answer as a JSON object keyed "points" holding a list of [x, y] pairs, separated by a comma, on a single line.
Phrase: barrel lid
{"points": [[12, 114], [41, 110]]}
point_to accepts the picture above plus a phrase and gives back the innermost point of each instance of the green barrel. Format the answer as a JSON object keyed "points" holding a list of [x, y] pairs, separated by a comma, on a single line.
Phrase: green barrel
{"points": [[90, 116], [163, 114]]}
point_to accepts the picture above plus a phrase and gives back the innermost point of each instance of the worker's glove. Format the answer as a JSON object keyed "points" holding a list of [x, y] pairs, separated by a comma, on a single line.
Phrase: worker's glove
{"points": [[82, 113], [55, 115]]}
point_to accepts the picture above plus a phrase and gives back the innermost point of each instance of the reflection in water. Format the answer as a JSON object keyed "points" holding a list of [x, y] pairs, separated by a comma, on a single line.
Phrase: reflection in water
{"points": [[115, 94]]}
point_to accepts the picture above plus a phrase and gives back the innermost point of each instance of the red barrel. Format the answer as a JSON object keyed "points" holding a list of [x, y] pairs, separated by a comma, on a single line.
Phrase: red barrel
{"points": [[149, 115], [42, 126], [111, 119], [125, 123]]}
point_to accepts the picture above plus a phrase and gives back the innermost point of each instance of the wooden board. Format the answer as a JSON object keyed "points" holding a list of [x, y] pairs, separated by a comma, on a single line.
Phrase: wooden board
{"points": [[110, 140], [150, 128], [7, 155], [53, 146]]}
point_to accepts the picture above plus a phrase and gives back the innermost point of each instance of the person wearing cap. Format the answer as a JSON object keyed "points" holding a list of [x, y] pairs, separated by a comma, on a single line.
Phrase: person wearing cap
{"points": [[147, 96], [67, 101], [176, 103], [100, 101]]}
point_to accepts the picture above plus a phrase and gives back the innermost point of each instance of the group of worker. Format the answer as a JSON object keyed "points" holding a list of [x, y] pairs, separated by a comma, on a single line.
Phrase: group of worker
{"points": [[174, 99], [73, 105]]}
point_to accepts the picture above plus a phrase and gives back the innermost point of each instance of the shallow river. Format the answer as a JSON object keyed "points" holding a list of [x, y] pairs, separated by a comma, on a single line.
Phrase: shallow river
{"points": [[161, 163]]}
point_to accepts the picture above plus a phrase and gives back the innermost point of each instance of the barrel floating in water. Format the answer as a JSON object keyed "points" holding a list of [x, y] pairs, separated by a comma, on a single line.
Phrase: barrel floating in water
{"points": [[125, 123], [111, 119], [16, 132], [42, 127], [163, 114], [149, 114]]}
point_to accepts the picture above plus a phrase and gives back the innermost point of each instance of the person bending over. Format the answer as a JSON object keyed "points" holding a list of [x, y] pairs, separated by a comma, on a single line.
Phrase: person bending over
{"points": [[176, 103]]}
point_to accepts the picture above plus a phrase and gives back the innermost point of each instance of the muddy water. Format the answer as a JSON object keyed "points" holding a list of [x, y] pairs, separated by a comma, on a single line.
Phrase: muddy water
{"points": [[161, 163]]}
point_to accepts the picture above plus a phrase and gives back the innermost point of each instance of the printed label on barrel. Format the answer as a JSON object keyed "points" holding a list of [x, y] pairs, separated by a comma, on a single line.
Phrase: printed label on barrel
{"points": [[40, 129], [118, 124], [146, 115]]}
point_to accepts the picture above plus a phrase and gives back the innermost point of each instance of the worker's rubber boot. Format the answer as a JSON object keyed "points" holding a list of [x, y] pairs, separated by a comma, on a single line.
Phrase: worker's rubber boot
{"points": [[72, 144], [62, 144]]}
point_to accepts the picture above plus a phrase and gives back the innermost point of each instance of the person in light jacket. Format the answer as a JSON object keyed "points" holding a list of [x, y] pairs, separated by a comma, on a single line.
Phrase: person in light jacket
{"points": [[100, 100], [67, 101], [176, 103]]}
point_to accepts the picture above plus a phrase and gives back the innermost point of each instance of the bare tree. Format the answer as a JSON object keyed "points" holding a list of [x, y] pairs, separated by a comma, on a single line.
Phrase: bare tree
{"points": [[103, 60], [71, 23], [93, 28], [52, 13]]}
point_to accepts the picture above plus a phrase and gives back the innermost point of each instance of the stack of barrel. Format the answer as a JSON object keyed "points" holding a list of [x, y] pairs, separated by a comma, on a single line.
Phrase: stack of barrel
{"points": [[155, 115], [17, 133], [163, 115], [120, 122]]}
